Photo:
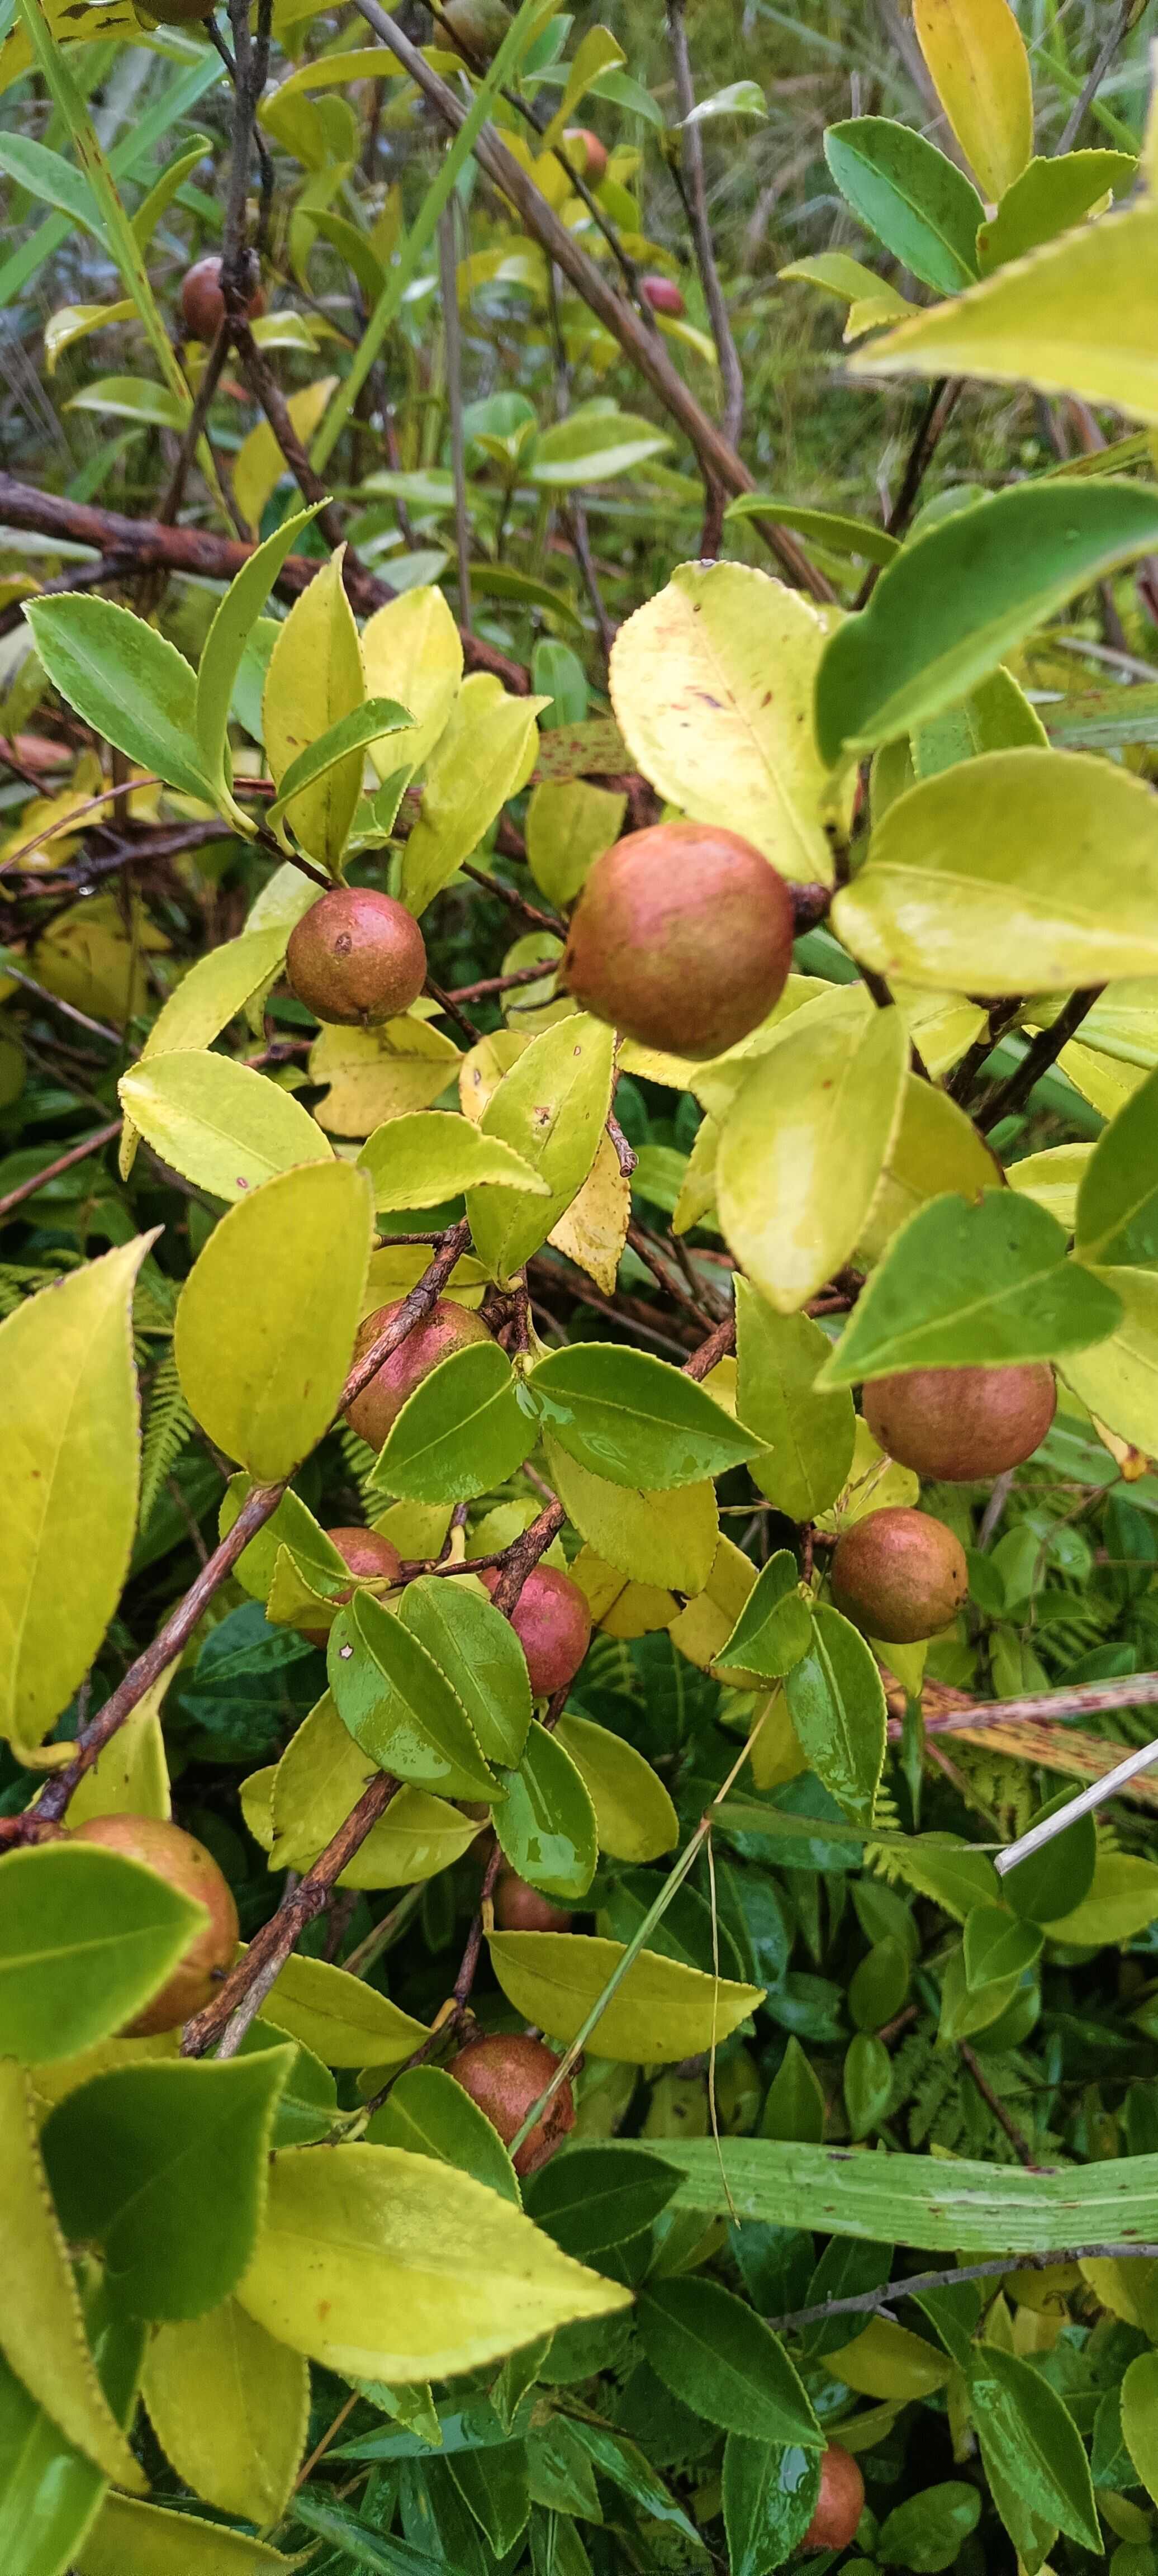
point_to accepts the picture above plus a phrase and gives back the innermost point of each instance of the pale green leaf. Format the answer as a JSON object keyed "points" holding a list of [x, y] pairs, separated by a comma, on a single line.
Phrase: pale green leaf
{"points": [[917, 201], [550, 1108], [1119, 1378], [484, 753], [229, 2407], [809, 1434], [633, 1811], [321, 1777], [660, 2010], [226, 1128], [377, 1074], [668, 1539], [315, 677], [802, 1150], [634, 1419], [421, 1159], [1049, 197], [412, 651], [342, 2019]]}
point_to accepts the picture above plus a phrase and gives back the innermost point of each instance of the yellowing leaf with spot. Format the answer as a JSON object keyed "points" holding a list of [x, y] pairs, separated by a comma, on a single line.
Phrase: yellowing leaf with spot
{"points": [[485, 753], [376, 1074], [1078, 316], [229, 2407], [712, 685], [215, 989], [267, 1317], [225, 1127], [980, 70], [551, 1107], [667, 1540], [69, 1437], [994, 876], [660, 2011], [391, 2266], [802, 1151], [314, 678], [259, 464], [633, 1812], [593, 1230], [412, 652]]}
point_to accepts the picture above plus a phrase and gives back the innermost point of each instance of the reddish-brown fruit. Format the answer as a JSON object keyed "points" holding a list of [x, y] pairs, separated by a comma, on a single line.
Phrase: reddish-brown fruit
{"points": [[356, 957], [901, 1575], [593, 159], [519, 1908], [552, 1622], [959, 1424], [367, 1554], [840, 2503], [447, 1328], [185, 1865], [202, 302], [681, 938], [663, 295], [504, 2074]]}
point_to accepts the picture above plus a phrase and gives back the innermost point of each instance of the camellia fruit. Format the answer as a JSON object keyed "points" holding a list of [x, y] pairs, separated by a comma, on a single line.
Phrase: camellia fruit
{"points": [[447, 1328], [505, 2074], [663, 295], [356, 958], [958, 1424], [900, 1575], [202, 302], [370, 1556], [591, 155], [552, 1622], [681, 938], [185, 1865], [840, 2503], [479, 24], [520, 1908]]}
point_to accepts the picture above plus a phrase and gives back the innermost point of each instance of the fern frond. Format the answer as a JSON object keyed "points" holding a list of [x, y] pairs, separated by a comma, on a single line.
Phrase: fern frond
{"points": [[167, 1428], [359, 1460]]}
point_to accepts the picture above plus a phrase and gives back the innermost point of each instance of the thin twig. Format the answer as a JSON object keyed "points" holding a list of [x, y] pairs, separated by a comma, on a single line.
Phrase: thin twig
{"points": [[867, 2303], [731, 372], [1003, 2117], [64, 1163], [1091, 86], [452, 337], [1001, 1101]]}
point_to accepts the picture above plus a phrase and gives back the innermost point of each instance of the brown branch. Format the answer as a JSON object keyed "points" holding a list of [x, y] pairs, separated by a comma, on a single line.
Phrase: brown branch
{"points": [[867, 2303], [731, 372], [1044, 1052], [64, 1163], [1005, 2120]]}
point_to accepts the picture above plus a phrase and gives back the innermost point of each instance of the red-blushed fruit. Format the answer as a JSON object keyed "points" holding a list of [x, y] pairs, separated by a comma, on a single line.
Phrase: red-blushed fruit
{"points": [[901, 1575], [519, 1908], [552, 1622], [356, 958], [447, 1328], [958, 1424], [505, 2074], [663, 295], [202, 302], [681, 938], [185, 1865], [367, 1554], [591, 157], [840, 2503]]}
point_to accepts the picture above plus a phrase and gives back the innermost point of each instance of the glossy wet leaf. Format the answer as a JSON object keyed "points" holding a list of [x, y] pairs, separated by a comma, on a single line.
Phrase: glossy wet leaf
{"points": [[224, 1127], [546, 1821], [399, 1705], [344, 2021], [724, 2362], [634, 1419], [964, 1284], [774, 1628], [229, 2407], [464, 1429], [798, 1165], [917, 202], [1026, 2431], [660, 2010], [86, 1937], [836, 1702], [596, 2197], [477, 1649], [769, 2498], [428, 2114]]}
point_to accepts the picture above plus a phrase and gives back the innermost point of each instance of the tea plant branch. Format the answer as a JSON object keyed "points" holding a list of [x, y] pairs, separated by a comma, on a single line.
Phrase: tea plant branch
{"points": [[731, 372], [1005, 1097], [452, 335], [870, 2303], [64, 1163], [1004, 2117], [1115, 35]]}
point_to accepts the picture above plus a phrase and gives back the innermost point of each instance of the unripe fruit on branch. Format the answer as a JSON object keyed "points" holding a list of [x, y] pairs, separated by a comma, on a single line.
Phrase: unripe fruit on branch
{"points": [[962, 1423], [447, 1328], [840, 2503], [505, 2074], [663, 295], [481, 25], [552, 1622], [519, 1908], [900, 1575], [356, 958], [368, 1555], [202, 302], [681, 938], [184, 1864], [588, 151]]}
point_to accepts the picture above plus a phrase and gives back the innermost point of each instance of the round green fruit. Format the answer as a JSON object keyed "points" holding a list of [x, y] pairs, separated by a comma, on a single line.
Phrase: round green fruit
{"points": [[448, 1328], [681, 938], [900, 1575], [505, 2074], [959, 1424], [185, 1865], [356, 958]]}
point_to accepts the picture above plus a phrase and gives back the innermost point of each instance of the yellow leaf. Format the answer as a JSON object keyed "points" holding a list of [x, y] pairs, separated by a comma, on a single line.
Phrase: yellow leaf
{"points": [[376, 1074], [314, 678], [712, 685], [593, 1230], [569, 825], [482, 1068], [775, 1755], [664, 1540], [936, 1148], [69, 1436], [874, 1484], [412, 652], [89, 958], [229, 2407], [802, 1151], [660, 2011], [131, 1776], [215, 989], [1078, 316], [633, 1812], [1053, 1178], [321, 1776], [708, 1620], [391, 2266], [885, 2360], [980, 69], [267, 1317], [618, 1606], [551, 1107], [259, 464], [342, 2019], [130, 2539], [484, 754], [1118, 1379], [224, 1126]]}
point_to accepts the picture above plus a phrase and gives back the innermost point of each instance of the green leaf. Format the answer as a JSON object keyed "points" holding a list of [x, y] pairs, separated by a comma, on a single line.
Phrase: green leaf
{"points": [[481, 1656], [667, 1539], [991, 878], [592, 446], [51, 179], [69, 1431], [546, 1822], [224, 646], [1059, 1876], [721, 2359], [803, 1147], [360, 2543], [86, 1937], [1140, 2418], [344, 2021], [1031, 2439], [229, 2407], [596, 2197], [315, 678], [867, 2082], [356, 731], [634, 1814], [1047, 198], [836, 1702], [927, 2530], [1119, 1380], [964, 594], [774, 1628], [831, 528], [144, 2540], [418, 1161], [321, 1776], [133, 688], [267, 1317], [634, 1419], [770, 2491], [998, 1945], [935, 2204], [465, 1428], [49, 2492], [136, 398], [551, 1108], [809, 1434], [226, 1128], [428, 2114], [386, 2265], [918, 203], [794, 2107], [400, 1707], [965, 1284], [660, 2010], [1117, 1212], [483, 753], [163, 2167]]}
